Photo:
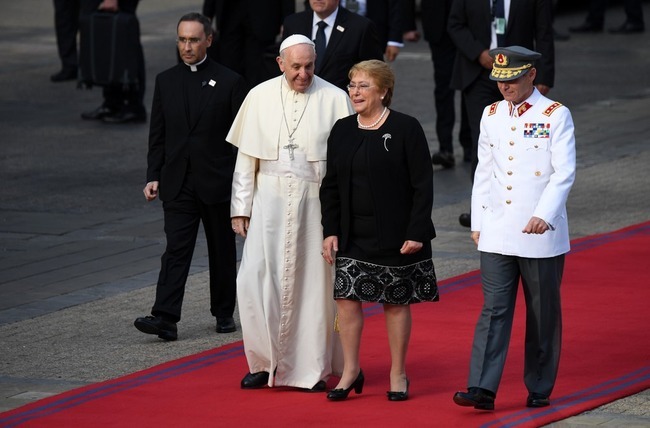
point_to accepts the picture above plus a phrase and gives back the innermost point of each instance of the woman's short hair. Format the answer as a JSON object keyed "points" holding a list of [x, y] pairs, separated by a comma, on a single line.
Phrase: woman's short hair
{"points": [[380, 72]]}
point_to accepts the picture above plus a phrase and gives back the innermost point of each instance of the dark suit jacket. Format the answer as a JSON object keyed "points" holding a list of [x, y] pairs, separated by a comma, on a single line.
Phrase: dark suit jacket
{"points": [[529, 25], [265, 15], [434, 15], [403, 198], [387, 16], [353, 39], [178, 142]]}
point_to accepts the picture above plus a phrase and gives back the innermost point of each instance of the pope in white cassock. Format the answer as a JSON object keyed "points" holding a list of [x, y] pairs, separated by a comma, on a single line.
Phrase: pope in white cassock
{"points": [[284, 286]]}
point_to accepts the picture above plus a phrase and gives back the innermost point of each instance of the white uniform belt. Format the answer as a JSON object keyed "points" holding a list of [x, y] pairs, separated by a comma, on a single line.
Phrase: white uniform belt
{"points": [[299, 167]]}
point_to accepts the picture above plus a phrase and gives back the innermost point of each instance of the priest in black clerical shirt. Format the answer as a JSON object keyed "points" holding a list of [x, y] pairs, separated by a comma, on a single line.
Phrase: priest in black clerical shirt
{"points": [[190, 167]]}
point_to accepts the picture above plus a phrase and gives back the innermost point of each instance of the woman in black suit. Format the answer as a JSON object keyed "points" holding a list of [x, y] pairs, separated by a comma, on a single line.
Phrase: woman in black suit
{"points": [[376, 201]]}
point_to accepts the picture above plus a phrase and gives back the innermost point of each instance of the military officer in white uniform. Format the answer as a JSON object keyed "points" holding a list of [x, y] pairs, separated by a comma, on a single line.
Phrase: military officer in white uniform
{"points": [[526, 167]]}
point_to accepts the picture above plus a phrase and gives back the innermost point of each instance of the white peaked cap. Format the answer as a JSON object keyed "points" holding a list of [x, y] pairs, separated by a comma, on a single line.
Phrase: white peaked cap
{"points": [[295, 39]]}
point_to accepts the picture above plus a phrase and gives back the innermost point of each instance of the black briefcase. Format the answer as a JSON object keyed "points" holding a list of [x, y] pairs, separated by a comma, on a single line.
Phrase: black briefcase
{"points": [[109, 49]]}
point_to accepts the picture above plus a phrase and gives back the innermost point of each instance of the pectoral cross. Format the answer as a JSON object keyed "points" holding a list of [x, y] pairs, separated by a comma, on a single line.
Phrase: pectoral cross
{"points": [[291, 147]]}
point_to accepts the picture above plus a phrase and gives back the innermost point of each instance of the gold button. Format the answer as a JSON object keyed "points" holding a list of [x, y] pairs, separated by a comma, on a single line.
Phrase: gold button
{"points": [[537, 173], [512, 143], [514, 128], [509, 172], [508, 202], [509, 187], [510, 158]]}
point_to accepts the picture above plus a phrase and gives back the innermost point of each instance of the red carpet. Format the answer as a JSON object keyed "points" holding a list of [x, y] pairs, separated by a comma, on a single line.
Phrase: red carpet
{"points": [[606, 355]]}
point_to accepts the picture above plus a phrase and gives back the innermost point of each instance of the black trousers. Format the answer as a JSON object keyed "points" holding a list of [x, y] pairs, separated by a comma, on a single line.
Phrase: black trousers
{"points": [[633, 12], [481, 93], [442, 55], [66, 26], [182, 218]]}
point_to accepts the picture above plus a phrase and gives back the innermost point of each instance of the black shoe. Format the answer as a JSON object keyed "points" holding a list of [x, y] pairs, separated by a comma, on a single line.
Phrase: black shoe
{"points": [[255, 380], [341, 394], [537, 400], [155, 325], [465, 219], [99, 113], [226, 325], [586, 27], [479, 398], [446, 159], [64, 74], [627, 28], [399, 395], [320, 386], [126, 115]]}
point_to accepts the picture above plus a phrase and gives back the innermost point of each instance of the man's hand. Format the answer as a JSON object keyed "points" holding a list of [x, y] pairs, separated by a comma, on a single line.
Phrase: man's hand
{"points": [[543, 89], [475, 237], [240, 225], [108, 5], [536, 226], [486, 60], [330, 247], [391, 53], [151, 190]]}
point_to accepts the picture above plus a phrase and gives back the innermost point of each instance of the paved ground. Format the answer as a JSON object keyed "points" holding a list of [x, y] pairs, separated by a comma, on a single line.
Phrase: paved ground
{"points": [[80, 248]]}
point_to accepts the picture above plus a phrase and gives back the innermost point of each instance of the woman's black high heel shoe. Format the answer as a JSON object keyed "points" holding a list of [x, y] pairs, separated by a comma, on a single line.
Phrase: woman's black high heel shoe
{"points": [[399, 395], [341, 394]]}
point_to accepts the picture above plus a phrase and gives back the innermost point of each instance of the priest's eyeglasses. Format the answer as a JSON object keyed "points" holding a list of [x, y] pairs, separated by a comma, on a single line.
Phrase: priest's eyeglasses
{"points": [[362, 87], [192, 40]]}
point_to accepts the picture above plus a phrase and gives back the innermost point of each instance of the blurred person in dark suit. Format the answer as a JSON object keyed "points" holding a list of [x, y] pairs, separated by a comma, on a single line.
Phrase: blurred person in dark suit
{"points": [[66, 25], [348, 38], [246, 32], [595, 19]]}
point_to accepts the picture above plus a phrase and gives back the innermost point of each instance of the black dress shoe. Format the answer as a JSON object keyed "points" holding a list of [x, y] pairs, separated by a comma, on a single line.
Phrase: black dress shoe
{"points": [[399, 395], [155, 325], [255, 380], [226, 325], [99, 113], [537, 400], [586, 27], [478, 398], [126, 115], [341, 394], [465, 219], [64, 74], [627, 28], [446, 159]]}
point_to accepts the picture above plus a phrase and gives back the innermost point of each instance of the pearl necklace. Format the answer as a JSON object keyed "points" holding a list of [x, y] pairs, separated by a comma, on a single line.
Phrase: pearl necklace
{"points": [[372, 125]]}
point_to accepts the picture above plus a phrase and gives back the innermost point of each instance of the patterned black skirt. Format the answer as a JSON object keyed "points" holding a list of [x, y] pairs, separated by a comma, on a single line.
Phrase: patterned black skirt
{"points": [[396, 285]]}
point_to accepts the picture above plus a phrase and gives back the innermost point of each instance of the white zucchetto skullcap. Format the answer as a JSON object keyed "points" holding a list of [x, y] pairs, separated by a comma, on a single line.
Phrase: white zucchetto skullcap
{"points": [[295, 39]]}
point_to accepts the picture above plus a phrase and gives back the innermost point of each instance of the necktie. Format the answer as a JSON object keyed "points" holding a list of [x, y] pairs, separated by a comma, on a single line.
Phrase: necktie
{"points": [[499, 12], [320, 43]]}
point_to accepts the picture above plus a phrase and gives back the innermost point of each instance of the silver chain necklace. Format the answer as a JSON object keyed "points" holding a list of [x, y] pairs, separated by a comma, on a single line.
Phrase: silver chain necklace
{"points": [[373, 124], [291, 146]]}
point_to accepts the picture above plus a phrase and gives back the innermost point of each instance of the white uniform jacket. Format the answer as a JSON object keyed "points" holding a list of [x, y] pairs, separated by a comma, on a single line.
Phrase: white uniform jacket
{"points": [[526, 167]]}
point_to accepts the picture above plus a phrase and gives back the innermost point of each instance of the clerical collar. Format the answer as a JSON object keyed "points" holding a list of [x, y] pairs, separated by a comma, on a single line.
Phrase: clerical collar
{"points": [[196, 66]]}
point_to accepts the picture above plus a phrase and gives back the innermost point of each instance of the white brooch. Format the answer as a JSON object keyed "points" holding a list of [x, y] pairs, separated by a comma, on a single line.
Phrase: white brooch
{"points": [[339, 28], [212, 82], [386, 137]]}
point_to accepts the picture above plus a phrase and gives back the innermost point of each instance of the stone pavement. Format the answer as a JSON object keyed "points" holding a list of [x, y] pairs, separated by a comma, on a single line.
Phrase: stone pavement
{"points": [[80, 248]]}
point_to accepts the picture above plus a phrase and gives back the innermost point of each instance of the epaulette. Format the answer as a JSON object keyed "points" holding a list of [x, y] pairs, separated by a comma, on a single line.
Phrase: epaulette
{"points": [[493, 108], [550, 109]]}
